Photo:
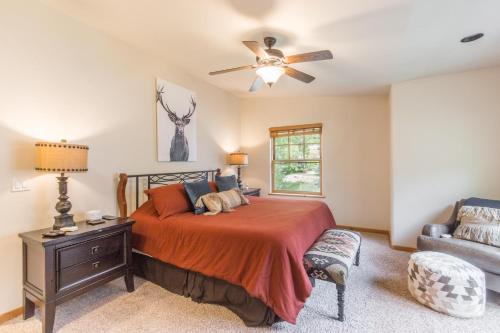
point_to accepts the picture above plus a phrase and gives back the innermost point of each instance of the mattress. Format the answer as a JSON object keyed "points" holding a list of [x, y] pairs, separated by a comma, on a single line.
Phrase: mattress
{"points": [[258, 247]]}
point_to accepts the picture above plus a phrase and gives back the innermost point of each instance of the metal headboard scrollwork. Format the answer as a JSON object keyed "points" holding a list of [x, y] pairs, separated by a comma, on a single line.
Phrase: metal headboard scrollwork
{"points": [[148, 181]]}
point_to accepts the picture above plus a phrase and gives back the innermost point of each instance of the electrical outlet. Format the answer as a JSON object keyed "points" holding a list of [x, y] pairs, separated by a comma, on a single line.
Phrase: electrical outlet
{"points": [[18, 186]]}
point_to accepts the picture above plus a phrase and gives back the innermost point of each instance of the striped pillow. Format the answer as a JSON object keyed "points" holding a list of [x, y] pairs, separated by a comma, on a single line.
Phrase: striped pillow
{"points": [[487, 214], [232, 199], [479, 224], [224, 201], [211, 201]]}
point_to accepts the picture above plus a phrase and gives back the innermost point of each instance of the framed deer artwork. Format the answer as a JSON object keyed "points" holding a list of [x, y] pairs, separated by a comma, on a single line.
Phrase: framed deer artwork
{"points": [[176, 122]]}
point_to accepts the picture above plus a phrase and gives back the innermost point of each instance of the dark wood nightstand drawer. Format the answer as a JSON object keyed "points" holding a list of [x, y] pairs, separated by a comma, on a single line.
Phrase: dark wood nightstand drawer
{"points": [[82, 252], [81, 272], [58, 269]]}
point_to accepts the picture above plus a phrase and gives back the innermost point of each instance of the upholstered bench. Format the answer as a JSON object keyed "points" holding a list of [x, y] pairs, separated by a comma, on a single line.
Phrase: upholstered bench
{"points": [[330, 259], [447, 284]]}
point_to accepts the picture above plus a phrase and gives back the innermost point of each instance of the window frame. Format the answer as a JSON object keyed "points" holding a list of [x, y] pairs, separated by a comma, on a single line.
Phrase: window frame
{"points": [[273, 132]]}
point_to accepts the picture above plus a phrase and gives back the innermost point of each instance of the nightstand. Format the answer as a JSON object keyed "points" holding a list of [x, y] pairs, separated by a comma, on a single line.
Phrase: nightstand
{"points": [[252, 191], [57, 269]]}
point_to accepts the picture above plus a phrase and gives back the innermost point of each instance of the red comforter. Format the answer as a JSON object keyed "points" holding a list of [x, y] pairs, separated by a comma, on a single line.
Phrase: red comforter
{"points": [[259, 246]]}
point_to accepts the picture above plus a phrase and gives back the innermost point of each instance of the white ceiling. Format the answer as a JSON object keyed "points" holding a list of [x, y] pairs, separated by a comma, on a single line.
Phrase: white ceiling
{"points": [[374, 42]]}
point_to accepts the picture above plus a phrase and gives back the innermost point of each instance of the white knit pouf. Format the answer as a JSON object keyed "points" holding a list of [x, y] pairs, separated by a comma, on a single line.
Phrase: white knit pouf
{"points": [[447, 284]]}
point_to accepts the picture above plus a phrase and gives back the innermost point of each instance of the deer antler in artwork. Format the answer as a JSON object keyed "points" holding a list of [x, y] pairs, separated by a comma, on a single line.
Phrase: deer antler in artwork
{"points": [[179, 147], [159, 98], [192, 108]]}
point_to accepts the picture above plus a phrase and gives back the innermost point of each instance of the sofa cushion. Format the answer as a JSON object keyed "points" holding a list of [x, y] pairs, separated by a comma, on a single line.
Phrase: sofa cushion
{"points": [[482, 202], [483, 256], [479, 232]]}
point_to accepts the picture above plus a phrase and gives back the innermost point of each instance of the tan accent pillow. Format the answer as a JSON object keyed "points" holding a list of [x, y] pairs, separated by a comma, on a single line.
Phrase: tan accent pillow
{"points": [[479, 224], [222, 201], [233, 198], [485, 233], [212, 202], [489, 215]]}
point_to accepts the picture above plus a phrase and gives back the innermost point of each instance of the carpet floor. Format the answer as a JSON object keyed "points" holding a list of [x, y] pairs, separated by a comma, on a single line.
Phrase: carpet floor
{"points": [[377, 300]]}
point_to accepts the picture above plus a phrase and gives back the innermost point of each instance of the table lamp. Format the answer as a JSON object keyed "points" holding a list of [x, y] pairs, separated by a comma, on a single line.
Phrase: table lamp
{"points": [[240, 159], [61, 157]]}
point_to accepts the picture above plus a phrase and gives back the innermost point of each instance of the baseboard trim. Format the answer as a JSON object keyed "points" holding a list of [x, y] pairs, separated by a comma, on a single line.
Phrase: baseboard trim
{"points": [[378, 231], [403, 248], [360, 229], [10, 315]]}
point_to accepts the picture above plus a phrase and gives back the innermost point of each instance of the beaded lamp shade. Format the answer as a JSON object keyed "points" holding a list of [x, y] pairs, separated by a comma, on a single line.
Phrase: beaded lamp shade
{"points": [[238, 159], [61, 157]]}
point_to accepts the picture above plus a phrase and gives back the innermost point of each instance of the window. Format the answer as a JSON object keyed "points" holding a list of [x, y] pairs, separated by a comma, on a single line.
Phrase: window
{"points": [[296, 159]]}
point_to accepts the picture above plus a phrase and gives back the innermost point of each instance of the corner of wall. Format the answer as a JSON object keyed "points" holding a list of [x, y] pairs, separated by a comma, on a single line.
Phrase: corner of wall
{"points": [[391, 166]]}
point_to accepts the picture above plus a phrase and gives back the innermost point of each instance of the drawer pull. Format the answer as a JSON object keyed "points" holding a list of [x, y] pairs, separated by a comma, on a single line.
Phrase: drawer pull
{"points": [[94, 249], [95, 264]]}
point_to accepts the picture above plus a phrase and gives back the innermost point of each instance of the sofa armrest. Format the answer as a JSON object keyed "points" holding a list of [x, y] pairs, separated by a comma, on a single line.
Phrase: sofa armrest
{"points": [[435, 230]]}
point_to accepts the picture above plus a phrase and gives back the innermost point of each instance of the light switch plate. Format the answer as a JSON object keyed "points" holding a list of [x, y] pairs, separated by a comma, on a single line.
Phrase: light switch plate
{"points": [[18, 186]]}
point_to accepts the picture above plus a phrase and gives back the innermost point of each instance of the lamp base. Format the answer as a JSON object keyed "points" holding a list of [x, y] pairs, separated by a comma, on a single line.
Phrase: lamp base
{"points": [[63, 220], [63, 206], [240, 185]]}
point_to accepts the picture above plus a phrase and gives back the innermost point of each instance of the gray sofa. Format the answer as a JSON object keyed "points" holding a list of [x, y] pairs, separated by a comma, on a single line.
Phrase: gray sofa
{"points": [[484, 256]]}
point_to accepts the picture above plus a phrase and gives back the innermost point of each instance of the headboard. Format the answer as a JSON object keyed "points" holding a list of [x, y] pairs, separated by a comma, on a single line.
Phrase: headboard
{"points": [[147, 181]]}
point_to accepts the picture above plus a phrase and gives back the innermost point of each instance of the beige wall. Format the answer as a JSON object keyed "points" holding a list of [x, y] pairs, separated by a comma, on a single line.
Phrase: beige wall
{"points": [[355, 151], [445, 146], [61, 79]]}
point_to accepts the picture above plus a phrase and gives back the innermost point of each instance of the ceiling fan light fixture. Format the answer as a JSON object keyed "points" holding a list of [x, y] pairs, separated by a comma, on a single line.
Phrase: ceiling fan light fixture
{"points": [[272, 63], [270, 73]]}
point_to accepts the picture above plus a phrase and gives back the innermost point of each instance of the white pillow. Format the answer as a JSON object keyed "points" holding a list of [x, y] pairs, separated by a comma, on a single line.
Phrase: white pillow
{"points": [[486, 214], [479, 224]]}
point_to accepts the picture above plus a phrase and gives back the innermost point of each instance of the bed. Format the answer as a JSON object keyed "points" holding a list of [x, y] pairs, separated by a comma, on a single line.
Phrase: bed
{"points": [[249, 260]]}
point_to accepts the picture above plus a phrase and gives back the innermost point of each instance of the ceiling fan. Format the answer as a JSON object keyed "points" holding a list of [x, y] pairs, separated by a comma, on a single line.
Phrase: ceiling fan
{"points": [[272, 63]]}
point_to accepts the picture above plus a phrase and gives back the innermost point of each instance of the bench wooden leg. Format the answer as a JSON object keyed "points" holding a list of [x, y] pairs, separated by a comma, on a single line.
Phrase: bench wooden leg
{"points": [[340, 299], [313, 281]]}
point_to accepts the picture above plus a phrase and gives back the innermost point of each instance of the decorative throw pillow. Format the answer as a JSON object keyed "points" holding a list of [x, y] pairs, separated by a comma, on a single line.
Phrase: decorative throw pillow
{"points": [[225, 183], [212, 202], [213, 186], [487, 214], [479, 224], [233, 198], [194, 191], [482, 233], [222, 201], [482, 202], [169, 200]]}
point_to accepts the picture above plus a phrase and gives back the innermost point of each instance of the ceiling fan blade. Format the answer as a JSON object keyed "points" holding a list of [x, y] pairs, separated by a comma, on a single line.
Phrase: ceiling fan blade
{"points": [[301, 76], [231, 69], [256, 48], [311, 56], [257, 84]]}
